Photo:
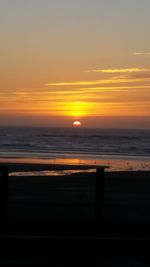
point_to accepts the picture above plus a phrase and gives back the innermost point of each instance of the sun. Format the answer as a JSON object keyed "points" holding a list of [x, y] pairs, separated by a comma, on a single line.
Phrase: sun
{"points": [[76, 123]]}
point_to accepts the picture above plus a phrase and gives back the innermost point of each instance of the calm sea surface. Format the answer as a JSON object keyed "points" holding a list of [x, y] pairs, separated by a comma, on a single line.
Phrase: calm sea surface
{"points": [[76, 143]]}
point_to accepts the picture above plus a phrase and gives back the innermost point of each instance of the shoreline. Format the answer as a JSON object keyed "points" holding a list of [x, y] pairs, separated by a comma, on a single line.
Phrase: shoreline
{"points": [[53, 155], [118, 164]]}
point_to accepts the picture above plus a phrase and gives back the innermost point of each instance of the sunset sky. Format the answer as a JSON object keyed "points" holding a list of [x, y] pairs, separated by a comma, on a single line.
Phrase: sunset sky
{"points": [[67, 60]]}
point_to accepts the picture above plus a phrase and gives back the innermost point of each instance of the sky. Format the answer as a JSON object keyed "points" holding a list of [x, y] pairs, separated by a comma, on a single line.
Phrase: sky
{"points": [[66, 60]]}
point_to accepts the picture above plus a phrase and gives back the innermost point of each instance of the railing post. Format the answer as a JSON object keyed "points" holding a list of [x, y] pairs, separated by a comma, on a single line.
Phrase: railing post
{"points": [[3, 193], [100, 195]]}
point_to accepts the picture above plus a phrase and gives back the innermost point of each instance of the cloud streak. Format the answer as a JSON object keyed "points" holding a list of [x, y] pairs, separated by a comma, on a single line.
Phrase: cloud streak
{"points": [[141, 53], [124, 70], [113, 80]]}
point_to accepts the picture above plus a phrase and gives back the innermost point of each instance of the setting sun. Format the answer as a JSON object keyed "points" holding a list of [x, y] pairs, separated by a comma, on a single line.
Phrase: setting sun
{"points": [[76, 123]]}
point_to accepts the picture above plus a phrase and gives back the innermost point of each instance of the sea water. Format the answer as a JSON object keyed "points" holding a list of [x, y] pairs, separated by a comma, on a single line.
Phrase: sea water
{"points": [[119, 148]]}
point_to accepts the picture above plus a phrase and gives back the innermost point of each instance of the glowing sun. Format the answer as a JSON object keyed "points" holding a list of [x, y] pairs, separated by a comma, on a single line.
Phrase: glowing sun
{"points": [[76, 123]]}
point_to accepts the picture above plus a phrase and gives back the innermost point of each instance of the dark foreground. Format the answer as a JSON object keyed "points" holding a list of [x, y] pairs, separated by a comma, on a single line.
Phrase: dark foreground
{"points": [[75, 248], [52, 221], [59, 244]]}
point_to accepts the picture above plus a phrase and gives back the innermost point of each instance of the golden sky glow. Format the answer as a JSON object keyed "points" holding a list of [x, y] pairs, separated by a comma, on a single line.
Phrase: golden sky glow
{"points": [[69, 60]]}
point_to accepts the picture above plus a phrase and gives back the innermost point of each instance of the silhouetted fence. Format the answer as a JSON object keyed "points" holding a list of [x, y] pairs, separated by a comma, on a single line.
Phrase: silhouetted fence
{"points": [[3, 193], [99, 205], [100, 194]]}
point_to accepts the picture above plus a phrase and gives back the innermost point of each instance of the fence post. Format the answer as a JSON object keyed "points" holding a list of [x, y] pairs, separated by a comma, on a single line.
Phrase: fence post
{"points": [[100, 195], [3, 193]]}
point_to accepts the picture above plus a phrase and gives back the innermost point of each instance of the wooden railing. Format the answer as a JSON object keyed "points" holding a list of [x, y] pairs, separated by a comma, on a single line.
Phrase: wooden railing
{"points": [[99, 203], [3, 193]]}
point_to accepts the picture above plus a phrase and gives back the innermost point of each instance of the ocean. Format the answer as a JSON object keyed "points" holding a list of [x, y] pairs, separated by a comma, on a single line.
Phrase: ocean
{"points": [[118, 148]]}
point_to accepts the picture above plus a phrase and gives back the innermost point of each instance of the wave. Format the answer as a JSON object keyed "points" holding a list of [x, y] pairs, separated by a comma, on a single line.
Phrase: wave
{"points": [[93, 141]]}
